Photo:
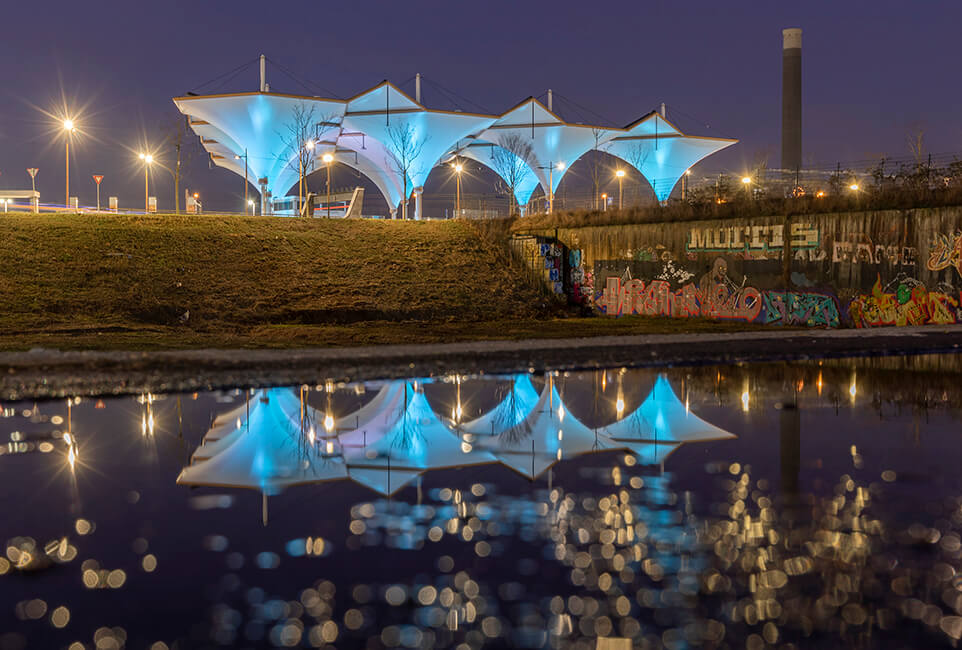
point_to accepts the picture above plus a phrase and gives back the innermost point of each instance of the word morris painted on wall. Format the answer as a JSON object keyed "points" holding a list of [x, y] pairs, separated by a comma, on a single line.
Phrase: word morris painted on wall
{"points": [[751, 238]]}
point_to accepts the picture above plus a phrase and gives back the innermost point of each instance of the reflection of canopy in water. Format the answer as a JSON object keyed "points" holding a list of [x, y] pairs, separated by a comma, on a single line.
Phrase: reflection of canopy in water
{"points": [[520, 401], [283, 399], [663, 418], [227, 422], [546, 435], [370, 422], [269, 453], [417, 441]]}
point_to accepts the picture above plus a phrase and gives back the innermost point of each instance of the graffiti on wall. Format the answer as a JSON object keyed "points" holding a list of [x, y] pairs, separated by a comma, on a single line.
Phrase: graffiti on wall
{"points": [[946, 251], [864, 251], [752, 238], [904, 302], [808, 309], [582, 280], [716, 296]]}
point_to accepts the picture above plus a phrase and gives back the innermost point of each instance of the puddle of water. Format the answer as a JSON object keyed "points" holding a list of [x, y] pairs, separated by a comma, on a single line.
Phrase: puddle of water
{"points": [[752, 506]]}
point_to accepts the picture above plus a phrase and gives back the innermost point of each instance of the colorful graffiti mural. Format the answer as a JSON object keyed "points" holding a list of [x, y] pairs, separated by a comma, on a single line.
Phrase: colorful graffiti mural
{"points": [[946, 251], [657, 298], [809, 309], [909, 304], [719, 301]]}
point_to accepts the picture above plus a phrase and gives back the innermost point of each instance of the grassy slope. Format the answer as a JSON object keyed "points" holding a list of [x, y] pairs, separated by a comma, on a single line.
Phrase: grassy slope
{"points": [[119, 281]]}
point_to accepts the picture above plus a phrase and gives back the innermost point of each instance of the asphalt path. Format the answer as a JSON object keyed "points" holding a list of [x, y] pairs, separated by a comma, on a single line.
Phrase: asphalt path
{"points": [[45, 373]]}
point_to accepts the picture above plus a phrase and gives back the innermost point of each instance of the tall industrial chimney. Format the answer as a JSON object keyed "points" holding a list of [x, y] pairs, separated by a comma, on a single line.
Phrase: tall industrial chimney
{"points": [[792, 99]]}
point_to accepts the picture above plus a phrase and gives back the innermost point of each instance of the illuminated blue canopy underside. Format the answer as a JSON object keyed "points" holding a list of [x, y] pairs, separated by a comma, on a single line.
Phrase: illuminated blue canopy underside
{"points": [[363, 133]]}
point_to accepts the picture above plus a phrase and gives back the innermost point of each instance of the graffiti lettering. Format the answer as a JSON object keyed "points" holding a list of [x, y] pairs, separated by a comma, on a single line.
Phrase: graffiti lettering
{"points": [[810, 309], [907, 305], [752, 238], [658, 299], [946, 252], [865, 252]]}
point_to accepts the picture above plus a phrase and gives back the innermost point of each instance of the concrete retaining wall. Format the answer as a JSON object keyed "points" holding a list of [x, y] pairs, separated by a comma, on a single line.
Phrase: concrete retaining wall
{"points": [[853, 269]]}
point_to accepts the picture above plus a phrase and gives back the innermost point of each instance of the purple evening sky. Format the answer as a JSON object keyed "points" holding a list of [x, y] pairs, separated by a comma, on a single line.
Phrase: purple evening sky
{"points": [[872, 71]]}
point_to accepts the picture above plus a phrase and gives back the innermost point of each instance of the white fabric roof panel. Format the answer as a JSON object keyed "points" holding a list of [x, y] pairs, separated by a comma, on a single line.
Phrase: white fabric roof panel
{"points": [[365, 122], [257, 121], [658, 150]]}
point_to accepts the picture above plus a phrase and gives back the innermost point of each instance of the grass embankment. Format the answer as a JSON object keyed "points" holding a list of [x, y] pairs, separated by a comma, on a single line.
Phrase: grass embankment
{"points": [[148, 282]]}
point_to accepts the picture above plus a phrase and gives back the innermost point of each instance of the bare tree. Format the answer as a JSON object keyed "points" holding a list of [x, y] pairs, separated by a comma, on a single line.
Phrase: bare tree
{"points": [[403, 150], [512, 161], [177, 137], [916, 141], [637, 156], [294, 136], [596, 168]]}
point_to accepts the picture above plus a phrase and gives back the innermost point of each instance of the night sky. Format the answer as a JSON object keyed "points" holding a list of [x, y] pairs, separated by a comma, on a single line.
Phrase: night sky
{"points": [[872, 72]]}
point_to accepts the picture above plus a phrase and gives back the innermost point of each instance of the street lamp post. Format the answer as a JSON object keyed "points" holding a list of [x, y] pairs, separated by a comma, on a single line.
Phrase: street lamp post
{"points": [[301, 189], [250, 204], [148, 159], [621, 177], [237, 157], [68, 128], [328, 161], [747, 182], [551, 167], [458, 168]]}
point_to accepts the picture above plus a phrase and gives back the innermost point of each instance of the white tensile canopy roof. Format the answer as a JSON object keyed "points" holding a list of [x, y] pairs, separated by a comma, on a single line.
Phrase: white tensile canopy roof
{"points": [[269, 455], [656, 148], [553, 141], [363, 132]]}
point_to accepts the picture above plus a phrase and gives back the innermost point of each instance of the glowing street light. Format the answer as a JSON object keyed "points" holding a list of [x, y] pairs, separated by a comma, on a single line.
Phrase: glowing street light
{"points": [[250, 204], [148, 160], [747, 182], [853, 187], [621, 177], [604, 203], [458, 168], [308, 146], [551, 167], [328, 158], [68, 129]]}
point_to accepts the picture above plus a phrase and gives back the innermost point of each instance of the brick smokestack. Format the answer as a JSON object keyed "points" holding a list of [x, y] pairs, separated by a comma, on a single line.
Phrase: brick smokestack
{"points": [[792, 99]]}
